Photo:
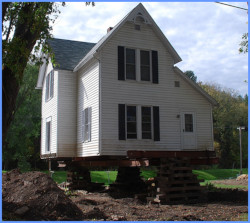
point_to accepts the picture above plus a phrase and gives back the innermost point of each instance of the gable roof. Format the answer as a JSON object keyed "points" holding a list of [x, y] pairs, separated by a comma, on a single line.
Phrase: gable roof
{"points": [[139, 10], [195, 86], [68, 53]]}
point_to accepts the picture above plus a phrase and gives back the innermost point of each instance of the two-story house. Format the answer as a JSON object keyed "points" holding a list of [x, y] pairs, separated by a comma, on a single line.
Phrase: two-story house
{"points": [[123, 93]]}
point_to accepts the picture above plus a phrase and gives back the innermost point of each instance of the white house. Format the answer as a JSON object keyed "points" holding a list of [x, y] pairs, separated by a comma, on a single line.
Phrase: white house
{"points": [[122, 93]]}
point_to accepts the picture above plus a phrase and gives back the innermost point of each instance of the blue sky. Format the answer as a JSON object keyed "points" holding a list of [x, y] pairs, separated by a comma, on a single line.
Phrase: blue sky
{"points": [[206, 35]]}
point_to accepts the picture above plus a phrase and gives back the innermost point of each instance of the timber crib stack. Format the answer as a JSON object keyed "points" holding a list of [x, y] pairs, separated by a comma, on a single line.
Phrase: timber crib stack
{"points": [[79, 179], [129, 179], [175, 182]]}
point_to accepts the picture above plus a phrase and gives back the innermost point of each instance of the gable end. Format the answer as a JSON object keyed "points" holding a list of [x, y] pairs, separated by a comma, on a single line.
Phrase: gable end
{"points": [[195, 86]]}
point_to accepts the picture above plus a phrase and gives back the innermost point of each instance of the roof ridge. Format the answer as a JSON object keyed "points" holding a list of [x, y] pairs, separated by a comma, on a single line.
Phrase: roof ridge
{"points": [[70, 40]]}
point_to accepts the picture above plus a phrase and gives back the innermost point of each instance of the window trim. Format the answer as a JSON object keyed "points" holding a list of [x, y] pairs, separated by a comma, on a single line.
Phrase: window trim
{"points": [[49, 84], [150, 67], [151, 122], [48, 143], [138, 75], [125, 63], [83, 125], [139, 122], [136, 121]]}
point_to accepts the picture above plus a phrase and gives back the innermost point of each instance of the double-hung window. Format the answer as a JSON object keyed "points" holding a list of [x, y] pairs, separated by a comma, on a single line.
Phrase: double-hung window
{"points": [[86, 125], [137, 64], [48, 134], [138, 122], [131, 122], [145, 65], [146, 123], [130, 64], [49, 86]]}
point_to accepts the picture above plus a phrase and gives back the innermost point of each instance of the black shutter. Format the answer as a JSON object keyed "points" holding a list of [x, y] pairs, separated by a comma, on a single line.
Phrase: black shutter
{"points": [[156, 117], [121, 63], [155, 67], [121, 116]]}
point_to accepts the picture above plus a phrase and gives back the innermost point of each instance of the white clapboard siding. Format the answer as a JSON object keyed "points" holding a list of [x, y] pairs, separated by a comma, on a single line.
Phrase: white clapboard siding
{"points": [[49, 109], [88, 96], [67, 98], [170, 99]]}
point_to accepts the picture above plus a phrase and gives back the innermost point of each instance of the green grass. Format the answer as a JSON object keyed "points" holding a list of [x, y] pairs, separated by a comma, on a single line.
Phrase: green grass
{"points": [[106, 177], [218, 174], [109, 177]]}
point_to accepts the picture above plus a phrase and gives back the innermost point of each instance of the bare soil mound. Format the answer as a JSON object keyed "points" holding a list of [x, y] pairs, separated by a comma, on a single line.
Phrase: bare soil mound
{"points": [[35, 196]]}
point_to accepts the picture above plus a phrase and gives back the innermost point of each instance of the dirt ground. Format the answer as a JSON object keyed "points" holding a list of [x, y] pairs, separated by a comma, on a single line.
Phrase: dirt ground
{"points": [[231, 182], [35, 196], [101, 206]]}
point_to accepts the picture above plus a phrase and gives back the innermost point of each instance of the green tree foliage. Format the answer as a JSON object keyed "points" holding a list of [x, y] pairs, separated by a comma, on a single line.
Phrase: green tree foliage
{"points": [[244, 44], [25, 27], [231, 112], [191, 75], [23, 139]]}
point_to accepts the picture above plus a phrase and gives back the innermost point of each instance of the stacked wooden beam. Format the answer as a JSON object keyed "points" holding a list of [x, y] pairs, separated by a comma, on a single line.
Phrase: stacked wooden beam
{"points": [[128, 179], [79, 179], [175, 182]]}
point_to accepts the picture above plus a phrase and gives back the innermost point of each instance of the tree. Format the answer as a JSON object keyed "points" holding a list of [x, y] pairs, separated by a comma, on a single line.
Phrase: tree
{"points": [[24, 25], [22, 147], [191, 75], [231, 112], [244, 44]]}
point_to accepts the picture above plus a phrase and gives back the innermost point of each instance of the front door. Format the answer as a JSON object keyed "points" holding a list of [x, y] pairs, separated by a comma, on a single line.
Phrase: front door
{"points": [[188, 130]]}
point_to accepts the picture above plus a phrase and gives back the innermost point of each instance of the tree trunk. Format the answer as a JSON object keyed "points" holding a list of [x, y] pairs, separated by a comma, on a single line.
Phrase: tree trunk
{"points": [[10, 89], [27, 36]]}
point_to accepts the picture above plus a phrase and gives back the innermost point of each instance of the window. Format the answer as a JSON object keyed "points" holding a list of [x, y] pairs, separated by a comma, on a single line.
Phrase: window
{"points": [[146, 123], [131, 122], [188, 123], [177, 83], [130, 64], [48, 134], [86, 125], [145, 65], [49, 86], [136, 64], [137, 27]]}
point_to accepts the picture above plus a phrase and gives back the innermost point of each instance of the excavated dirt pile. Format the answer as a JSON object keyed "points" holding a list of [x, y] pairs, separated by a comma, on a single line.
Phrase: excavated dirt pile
{"points": [[35, 196]]}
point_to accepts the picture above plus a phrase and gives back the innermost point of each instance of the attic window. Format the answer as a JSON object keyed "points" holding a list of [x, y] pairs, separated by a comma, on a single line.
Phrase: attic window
{"points": [[137, 27], [177, 83]]}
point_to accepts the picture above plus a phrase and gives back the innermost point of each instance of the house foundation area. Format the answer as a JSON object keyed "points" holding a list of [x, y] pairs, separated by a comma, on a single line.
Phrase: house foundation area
{"points": [[174, 181]]}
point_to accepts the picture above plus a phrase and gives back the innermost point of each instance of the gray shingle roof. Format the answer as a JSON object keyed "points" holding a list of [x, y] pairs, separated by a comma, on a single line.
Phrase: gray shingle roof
{"points": [[68, 53]]}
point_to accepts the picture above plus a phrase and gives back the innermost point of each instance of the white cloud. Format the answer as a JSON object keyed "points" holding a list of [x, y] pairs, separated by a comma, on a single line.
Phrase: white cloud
{"points": [[206, 35]]}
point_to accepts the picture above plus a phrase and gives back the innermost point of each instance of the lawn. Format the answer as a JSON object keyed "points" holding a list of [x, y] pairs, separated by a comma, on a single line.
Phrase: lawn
{"points": [[218, 174], [109, 177]]}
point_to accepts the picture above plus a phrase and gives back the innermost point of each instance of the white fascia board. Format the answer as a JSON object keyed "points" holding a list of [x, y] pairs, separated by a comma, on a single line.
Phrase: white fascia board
{"points": [[195, 86]]}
